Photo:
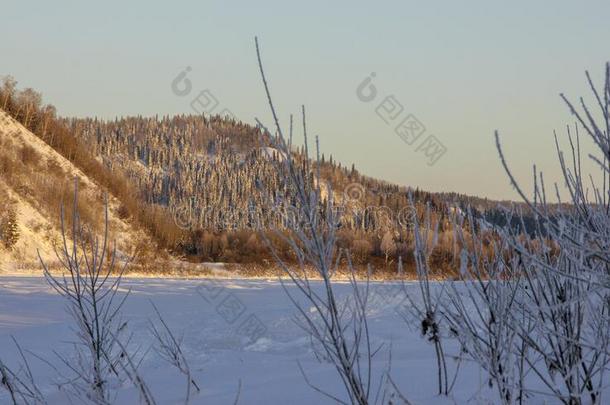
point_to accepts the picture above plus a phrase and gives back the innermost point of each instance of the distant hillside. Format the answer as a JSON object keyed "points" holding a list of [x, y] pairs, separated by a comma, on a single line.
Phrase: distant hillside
{"points": [[216, 177], [197, 187]]}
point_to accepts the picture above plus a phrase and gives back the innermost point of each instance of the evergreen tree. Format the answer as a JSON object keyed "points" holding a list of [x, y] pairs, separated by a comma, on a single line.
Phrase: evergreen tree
{"points": [[10, 230]]}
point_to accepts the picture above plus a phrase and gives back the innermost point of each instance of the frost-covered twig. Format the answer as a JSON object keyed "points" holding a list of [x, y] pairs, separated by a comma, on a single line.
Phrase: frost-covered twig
{"points": [[92, 301], [339, 326], [427, 311], [20, 384], [127, 364], [481, 307], [170, 350], [565, 265]]}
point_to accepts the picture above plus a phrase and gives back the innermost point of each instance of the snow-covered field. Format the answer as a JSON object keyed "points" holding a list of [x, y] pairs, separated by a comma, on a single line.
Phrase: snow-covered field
{"points": [[235, 332]]}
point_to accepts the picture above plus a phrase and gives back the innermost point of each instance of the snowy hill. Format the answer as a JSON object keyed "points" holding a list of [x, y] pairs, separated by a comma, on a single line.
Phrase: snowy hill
{"points": [[34, 181]]}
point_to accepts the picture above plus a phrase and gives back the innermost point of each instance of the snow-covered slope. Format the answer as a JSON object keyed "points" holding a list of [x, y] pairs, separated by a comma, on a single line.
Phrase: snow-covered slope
{"points": [[37, 219]]}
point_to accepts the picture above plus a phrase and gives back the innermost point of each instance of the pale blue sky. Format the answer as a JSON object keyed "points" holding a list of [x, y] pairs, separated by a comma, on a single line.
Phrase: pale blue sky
{"points": [[463, 68]]}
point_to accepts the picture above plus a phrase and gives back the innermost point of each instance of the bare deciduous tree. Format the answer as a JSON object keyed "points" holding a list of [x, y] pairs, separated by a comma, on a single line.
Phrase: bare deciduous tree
{"points": [[90, 285], [482, 307], [338, 326], [566, 265]]}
